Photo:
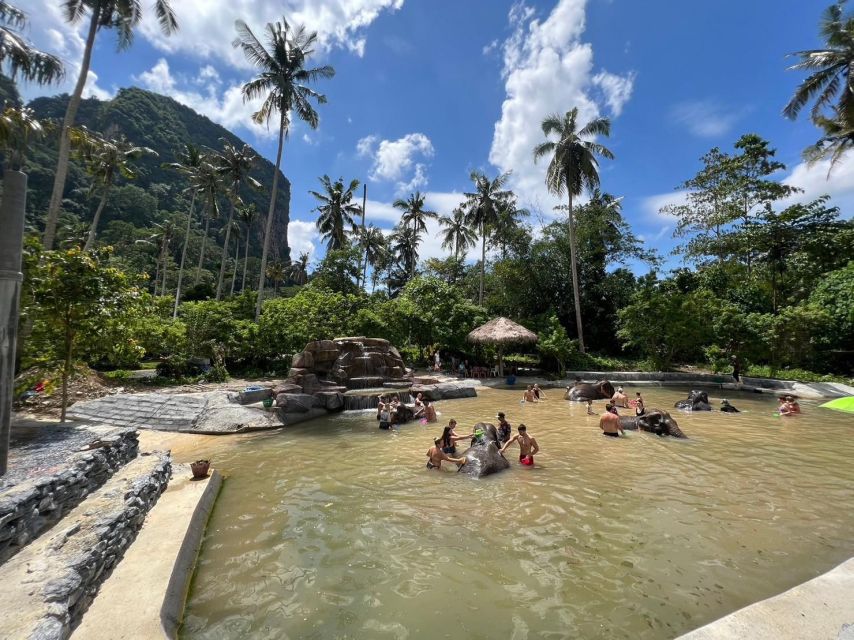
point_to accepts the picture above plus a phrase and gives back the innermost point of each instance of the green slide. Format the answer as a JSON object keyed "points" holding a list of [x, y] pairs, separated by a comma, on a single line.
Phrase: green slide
{"points": [[841, 404]]}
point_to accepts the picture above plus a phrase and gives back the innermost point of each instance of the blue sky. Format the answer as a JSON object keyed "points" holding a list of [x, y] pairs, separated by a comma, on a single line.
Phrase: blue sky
{"points": [[426, 91]]}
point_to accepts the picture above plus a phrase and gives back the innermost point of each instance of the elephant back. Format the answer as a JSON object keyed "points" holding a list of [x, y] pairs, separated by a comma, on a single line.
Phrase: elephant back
{"points": [[483, 460], [490, 434]]}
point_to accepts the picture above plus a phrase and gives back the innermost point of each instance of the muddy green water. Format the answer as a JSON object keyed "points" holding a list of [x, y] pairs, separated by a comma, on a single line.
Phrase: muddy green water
{"points": [[334, 529]]}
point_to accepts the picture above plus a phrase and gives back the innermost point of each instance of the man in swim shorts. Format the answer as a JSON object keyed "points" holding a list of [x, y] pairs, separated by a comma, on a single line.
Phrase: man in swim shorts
{"points": [[529, 395], [620, 399], [527, 446], [610, 423], [435, 455]]}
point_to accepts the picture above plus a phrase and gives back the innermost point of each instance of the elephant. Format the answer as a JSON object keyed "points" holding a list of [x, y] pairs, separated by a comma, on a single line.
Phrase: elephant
{"points": [[583, 391], [697, 401], [657, 421], [490, 434], [483, 459]]}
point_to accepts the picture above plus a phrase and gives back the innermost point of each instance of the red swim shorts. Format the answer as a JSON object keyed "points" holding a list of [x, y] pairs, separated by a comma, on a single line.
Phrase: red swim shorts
{"points": [[527, 460]]}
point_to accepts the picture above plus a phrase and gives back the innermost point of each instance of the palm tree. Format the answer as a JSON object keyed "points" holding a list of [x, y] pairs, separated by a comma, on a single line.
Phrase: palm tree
{"points": [[837, 140], [336, 210], [283, 83], [832, 66], [189, 161], [106, 160], [124, 16], [276, 272], [233, 165], [298, 270], [414, 213], [404, 242], [458, 235], [507, 224], [373, 243], [572, 168], [206, 181], [162, 237], [18, 57], [247, 216], [483, 205]]}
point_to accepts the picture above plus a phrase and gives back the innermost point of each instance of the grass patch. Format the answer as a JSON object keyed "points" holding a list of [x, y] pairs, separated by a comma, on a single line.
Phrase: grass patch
{"points": [[801, 375]]}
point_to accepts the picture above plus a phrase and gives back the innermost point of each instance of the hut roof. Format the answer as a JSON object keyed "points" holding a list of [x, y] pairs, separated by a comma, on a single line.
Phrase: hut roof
{"points": [[502, 331]]}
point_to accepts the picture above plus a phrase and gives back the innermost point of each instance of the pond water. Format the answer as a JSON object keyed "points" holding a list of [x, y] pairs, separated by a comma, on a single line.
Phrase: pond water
{"points": [[334, 529]]}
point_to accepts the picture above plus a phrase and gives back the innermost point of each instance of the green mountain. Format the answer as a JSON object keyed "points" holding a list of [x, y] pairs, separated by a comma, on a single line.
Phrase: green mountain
{"points": [[161, 123]]}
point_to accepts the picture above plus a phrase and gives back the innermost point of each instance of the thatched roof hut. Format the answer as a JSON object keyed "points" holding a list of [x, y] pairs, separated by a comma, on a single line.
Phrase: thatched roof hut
{"points": [[501, 332]]}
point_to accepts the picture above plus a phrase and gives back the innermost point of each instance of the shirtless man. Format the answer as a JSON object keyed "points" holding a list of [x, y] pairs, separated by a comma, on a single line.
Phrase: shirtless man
{"points": [[527, 446], [620, 399], [610, 423], [429, 411], [504, 428], [529, 395], [419, 405], [435, 455]]}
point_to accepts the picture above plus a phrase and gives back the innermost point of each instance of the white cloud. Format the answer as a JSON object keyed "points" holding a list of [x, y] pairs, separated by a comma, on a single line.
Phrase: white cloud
{"points": [[207, 26], [224, 107], [92, 90], [395, 160], [652, 205], [547, 69], [815, 182], [302, 237], [490, 48], [706, 118]]}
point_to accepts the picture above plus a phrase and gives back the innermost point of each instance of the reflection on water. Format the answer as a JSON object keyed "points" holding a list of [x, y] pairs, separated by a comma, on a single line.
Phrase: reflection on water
{"points": [[334, 529]]}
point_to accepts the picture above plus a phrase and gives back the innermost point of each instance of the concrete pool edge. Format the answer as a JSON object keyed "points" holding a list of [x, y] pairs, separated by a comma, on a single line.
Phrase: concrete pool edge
{"points": [[819, 608]]}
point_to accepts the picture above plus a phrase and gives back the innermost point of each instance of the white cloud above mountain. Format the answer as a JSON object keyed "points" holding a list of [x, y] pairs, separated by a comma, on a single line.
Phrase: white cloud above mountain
{"points": [[548, 69]]}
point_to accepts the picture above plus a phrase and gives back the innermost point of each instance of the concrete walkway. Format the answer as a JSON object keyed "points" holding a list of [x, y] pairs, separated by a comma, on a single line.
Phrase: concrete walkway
{"points": [[821, 609], [144, 597]]}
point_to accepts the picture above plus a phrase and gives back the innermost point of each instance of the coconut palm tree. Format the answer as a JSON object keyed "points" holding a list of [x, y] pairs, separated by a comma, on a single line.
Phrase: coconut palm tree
{"points": [[414, 213], [163, 234], [483, 205], [373, 243], [105, 160], [457, 236], [207, 182], [189, 161], [276, 272], [283, 84], [336, 210], [247, 216], [18, 58], [124, 16], [573, 167], [233, 165], [404, 242], [298, 270]]}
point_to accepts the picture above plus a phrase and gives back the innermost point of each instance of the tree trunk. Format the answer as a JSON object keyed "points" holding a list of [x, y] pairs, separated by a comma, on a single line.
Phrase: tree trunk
{"points": [[236, 262], [268, 225], [183, 256], [245, 262], [364, 205], [64, 139], [66, 367], [93, 230], [575, 290], [164, 261], [482, 260], [12, 212], [225, 250], [202, 253]]}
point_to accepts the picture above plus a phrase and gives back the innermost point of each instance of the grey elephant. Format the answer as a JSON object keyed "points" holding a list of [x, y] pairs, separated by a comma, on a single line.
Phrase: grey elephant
{"points": [[484, 456], [583, 391], [696, 401], [657, 421]]}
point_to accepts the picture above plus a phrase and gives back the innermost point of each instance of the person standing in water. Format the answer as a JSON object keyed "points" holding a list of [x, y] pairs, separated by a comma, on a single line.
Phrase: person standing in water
{"points": [[610, 423], [504, 428], [620, 399], [639, 408], [435, 456], [528, 446], [528, 395], [539, 394], [429, 411]]}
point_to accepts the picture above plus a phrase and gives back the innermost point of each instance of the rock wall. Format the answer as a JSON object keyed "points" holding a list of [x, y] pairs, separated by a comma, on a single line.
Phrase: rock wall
{"points": [[353, 362], [32, 507]]}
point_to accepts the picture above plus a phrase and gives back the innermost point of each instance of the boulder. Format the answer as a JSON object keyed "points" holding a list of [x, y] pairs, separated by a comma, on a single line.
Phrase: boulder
{"points": [[303, 360], [329, 400], [286, 388], [253, 396], [425, 380], [295, 402]]}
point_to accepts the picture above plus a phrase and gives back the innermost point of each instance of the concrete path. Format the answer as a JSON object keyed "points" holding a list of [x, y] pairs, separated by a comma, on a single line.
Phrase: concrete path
{"points": [[144, 597], [821, 609]]}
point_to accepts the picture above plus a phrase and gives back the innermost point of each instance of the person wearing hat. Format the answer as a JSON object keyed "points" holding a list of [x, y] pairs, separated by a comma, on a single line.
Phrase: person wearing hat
{"points": [[620, 399], [504, 428]]}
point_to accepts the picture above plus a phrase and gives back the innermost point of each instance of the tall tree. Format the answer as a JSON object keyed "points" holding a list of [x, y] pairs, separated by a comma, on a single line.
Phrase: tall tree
{"points": [[457, 235], [508, 228], [208, 184], [373, 243], [483, 205], [277, 272], [298, 271], [123, 16], [233, 165], [106, 160], [189, 162], [336, 210], [247, 216], [18, 57], [283, 84], [831, 81], [573, 167], [414, 213], [404, 242]]}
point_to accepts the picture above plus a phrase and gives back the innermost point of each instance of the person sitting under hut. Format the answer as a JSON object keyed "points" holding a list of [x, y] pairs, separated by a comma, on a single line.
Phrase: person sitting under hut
{"points": [[610, 423], [528, 446], [436, 454], [620, 399]]}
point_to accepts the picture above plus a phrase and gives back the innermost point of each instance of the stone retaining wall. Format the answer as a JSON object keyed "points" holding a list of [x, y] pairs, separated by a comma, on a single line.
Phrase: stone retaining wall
{"points": [[32, 507]]}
